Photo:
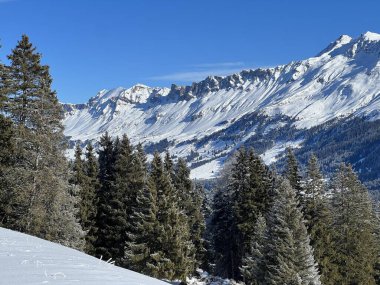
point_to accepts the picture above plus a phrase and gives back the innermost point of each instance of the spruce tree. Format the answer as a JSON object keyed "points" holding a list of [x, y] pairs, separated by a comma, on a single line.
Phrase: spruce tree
{"points": [[222, 225], [121, 197], [142, 226], [104, 246], [42, 202], [172, 255], [292, 174], [253, 269], [288, 254], [318, 221], [354, 229], [89, 199], [190, 200], [6, 147]]}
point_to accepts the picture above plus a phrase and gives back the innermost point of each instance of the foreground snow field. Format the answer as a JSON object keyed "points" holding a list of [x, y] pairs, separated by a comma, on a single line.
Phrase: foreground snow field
{"points": [[26, 260]]}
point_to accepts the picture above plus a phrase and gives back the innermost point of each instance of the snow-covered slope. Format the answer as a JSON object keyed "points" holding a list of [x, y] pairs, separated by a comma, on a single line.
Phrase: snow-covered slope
{"points": [[27, 260], [342, 80]]}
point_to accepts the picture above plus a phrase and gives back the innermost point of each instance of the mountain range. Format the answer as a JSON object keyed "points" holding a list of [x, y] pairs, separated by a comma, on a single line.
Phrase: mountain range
{"points": [[328, 104]]}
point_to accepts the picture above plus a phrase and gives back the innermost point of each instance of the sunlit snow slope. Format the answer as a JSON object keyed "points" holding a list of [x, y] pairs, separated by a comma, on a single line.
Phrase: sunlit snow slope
{"points": [[27, 260], [343, 80]]}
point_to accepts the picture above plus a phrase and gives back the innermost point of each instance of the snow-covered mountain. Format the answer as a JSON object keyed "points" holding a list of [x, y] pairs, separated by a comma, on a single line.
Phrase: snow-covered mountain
{"points": [[27, 260], [206, 121]]}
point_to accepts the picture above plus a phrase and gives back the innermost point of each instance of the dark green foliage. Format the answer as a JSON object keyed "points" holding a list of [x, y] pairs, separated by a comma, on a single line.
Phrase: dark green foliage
{"points": [[288, 254], [190, 199], [222, 233], [236, 209], [354, 227], [171, 257], [141, 238], [105, 223], [318, 221], [39, 198], [6, 147], [89, 200], [293, 175], [253, 269]]}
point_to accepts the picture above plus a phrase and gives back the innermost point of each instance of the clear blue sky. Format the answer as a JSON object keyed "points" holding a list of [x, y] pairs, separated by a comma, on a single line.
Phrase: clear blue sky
{"points": [[102, 44]]}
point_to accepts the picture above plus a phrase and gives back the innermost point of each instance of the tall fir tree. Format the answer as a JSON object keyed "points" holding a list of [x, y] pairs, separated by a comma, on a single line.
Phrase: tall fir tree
{"points": [[354, 230], [89, 198], [293, 175], [318, 221], [42, 202], [104, 246], [288, 255], [172, 255], [142, 226], [253, 269], [6, 146], [249, 187], [190, 200], [121, 197]]}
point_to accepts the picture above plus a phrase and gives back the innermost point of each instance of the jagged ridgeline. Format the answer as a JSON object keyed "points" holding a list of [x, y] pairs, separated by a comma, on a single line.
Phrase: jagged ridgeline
{"points": [[328, 104]]}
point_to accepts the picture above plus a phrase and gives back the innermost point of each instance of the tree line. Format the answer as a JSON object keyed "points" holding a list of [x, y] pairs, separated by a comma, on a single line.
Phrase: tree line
{"points": [[262, 228], [271, 229], [144, 216]]}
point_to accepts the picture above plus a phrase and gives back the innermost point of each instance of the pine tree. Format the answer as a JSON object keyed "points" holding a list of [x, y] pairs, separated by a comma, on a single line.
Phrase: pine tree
{"points": [[288, 254], [42, 202], [292, 174], [354, 231]]}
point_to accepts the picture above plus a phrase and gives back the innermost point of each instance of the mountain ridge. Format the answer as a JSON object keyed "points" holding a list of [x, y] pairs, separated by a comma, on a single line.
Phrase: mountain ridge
{"points": [[341, 81]]}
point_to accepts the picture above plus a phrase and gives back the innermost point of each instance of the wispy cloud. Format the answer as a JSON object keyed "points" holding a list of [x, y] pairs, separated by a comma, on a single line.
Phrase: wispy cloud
{"points": [[201, 71], [191, 76], [219, 64]]}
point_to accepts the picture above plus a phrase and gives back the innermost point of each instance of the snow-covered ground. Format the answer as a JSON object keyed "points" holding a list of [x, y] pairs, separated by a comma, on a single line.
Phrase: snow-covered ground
{"points": [[27, 260]]}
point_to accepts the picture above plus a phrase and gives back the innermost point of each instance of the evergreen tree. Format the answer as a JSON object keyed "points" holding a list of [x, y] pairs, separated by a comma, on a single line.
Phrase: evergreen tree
{"points": [[292, 174], [172, 255], [318, 221], [190, 200], [253, 269], [6, 147], [141, 231], [222, 224], [288, 254], [41, 201], [89, 199], [354, 230], [121, 197], [104, 246]]}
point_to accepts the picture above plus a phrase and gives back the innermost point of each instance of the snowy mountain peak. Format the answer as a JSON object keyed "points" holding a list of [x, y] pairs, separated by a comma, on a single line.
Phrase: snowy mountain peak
{"points": [[338, 43], [344, 80], [369, 36]]}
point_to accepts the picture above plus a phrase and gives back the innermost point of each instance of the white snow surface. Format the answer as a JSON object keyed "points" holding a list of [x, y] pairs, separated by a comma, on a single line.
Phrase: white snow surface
{"points": [[27, 260], [342, 80]]}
